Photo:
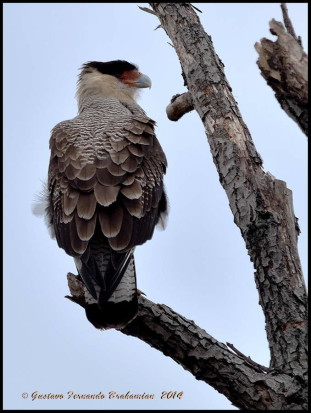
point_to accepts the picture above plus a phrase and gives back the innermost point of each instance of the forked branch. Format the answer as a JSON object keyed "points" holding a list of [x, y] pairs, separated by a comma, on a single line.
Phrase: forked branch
{"points": [[284, 65]]}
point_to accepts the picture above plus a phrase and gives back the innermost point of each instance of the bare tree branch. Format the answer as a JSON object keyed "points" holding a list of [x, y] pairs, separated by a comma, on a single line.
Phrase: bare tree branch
{"points": [[207, 359], [284, 65], [261, 204], [200, 11], [147, 10], [179, 106], [203, 356], [248, 359], [288, 23]]}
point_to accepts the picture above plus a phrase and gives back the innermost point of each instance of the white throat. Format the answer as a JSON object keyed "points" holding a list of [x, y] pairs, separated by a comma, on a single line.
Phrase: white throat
{"points": [[96, 85]]}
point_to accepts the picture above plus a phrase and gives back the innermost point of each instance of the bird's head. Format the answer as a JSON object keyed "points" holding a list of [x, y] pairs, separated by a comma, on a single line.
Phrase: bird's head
{"points": [[116, 79]]}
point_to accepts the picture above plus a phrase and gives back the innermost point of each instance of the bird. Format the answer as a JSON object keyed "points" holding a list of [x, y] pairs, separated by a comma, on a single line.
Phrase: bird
{"points": [[105, 192]]}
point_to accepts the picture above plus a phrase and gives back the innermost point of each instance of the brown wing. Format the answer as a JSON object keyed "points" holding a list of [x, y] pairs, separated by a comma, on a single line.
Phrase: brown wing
{"points": [[116, 189]]}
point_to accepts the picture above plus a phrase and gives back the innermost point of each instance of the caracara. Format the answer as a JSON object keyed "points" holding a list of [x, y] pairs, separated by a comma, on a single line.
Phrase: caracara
{"points": [[105, 187]]}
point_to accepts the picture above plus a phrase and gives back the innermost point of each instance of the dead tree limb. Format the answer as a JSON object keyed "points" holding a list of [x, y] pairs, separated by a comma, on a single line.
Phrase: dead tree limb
{"points": [[288, 23], [284, 65], [231, 373], [179, 106], [261, 204]]}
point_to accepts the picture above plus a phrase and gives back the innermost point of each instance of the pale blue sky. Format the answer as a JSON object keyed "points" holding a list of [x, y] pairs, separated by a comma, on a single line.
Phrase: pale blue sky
{"points": [[198, 266]]}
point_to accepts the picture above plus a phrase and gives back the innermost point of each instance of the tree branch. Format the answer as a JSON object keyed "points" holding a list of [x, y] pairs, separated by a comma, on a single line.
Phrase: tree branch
{"points": [[284, 65], [203, 356], [288, 23], [206, 358], [261, 204], [253, 363], [179, 106], [147, 10]]}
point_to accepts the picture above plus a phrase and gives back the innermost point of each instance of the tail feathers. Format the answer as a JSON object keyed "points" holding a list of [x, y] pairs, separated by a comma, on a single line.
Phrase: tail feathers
{"points": [[126, 286], [110, 287], [114, 277], [111, 315], [89, 273]]}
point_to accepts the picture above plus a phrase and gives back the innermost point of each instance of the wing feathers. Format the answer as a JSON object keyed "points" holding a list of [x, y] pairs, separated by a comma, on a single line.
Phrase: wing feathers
{"points": [[77, 244], [134, 207], [72, 152], [102, 162], [130, 165], [118, 179], [71, 172], [119, 144], [115, 170], [85, 228], [111, 221], [106, 195], [87, 172], [133, 191], [70, 201], [107, 178], [82, 185], [136, 150], [121, 242], [129, 180], [119, 157], [86, 205]]}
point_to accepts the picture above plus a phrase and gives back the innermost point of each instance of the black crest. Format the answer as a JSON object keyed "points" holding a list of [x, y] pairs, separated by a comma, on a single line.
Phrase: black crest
{"points": [[113, 68]]}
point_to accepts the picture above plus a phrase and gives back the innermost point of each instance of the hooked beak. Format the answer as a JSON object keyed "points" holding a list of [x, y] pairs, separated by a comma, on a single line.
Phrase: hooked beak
{"points": [[143, 81], [134, 78]]}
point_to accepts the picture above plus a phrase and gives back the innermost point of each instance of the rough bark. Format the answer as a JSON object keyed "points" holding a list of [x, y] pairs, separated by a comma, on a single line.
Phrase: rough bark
{"points": [[211, 361], [261, 204], [242, 381], [180, 104], [263, 210], [284, 65]]}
